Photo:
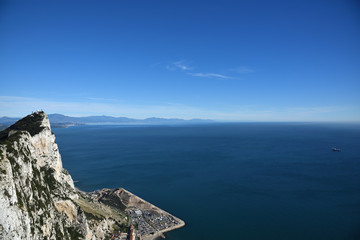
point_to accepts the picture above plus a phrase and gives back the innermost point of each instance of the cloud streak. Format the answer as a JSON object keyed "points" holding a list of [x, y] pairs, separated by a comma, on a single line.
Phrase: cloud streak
{"points": [[184, 67], [179, 65], [210, 75]]}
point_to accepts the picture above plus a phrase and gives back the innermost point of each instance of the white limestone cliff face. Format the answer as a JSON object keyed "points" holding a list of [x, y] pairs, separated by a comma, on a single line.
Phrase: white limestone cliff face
{"points": [[48, 152], [37, 196]]}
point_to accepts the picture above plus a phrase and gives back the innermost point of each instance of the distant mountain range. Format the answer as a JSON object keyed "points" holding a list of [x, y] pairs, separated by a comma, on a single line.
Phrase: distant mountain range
{"points": [[59, 120]]}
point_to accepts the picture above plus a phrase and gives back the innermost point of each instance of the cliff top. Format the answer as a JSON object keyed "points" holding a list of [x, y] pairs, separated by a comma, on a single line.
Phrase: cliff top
{"points": [[32, 123]]}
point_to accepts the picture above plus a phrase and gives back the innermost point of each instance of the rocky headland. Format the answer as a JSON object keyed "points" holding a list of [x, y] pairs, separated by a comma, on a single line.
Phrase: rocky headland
{"points": [[38, 199]]}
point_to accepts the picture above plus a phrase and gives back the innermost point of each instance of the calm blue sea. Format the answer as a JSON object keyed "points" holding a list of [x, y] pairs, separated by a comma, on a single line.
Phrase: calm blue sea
{"points": [[229, 181]]}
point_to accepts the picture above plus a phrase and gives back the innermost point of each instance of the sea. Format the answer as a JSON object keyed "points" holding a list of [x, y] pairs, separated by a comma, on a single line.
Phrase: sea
{"points": [[228, 180]]}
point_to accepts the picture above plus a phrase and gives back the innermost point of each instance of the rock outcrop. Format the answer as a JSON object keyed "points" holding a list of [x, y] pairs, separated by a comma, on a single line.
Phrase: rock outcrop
{"points": [[38, 199]]}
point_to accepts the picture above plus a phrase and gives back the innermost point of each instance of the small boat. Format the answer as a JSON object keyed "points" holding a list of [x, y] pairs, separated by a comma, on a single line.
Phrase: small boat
{"points": [[336, 149]]}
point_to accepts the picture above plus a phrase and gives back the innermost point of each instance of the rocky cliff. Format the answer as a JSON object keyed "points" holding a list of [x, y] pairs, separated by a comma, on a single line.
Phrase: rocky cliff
{"points": [[37, 195]]}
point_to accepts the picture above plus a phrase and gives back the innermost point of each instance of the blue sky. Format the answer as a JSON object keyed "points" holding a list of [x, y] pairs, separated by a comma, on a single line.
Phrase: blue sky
{"points": [[224, 60]]}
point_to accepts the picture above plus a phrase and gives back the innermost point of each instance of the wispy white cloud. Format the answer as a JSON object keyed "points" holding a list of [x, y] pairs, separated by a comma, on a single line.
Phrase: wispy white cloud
{"points": [[179, 65], [182, 65], [185, 67], [210, 75]]}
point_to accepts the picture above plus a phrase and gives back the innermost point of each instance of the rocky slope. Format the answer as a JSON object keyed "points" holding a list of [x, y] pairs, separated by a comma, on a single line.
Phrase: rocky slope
{"points": [[37, 195]]}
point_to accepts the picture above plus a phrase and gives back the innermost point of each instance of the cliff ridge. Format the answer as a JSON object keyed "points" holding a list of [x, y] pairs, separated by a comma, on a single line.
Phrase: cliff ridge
{"points": [[38, 199]]}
